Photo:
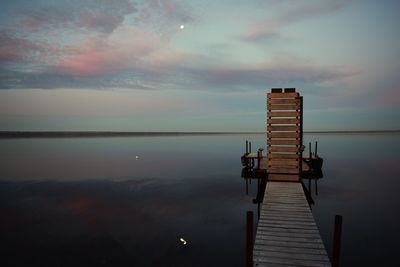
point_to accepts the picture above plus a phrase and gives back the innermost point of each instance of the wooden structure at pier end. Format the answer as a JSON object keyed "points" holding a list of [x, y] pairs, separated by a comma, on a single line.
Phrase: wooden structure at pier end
{"points": [[287, 234], [284, 134]]}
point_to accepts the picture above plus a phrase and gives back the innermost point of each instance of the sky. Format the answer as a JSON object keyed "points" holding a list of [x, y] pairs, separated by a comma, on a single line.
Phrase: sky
{"points": [[169, 65]]}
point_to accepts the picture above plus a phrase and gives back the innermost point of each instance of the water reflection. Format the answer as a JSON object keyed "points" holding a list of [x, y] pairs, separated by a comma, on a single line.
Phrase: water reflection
{"points": [[85, 202]]}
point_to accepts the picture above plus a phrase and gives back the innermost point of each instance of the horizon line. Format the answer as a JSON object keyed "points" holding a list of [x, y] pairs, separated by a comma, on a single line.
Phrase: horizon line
{"points": [[46, 134]]}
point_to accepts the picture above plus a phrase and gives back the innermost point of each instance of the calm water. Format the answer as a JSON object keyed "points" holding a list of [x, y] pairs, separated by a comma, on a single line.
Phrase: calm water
{"points": [[90, 202]]}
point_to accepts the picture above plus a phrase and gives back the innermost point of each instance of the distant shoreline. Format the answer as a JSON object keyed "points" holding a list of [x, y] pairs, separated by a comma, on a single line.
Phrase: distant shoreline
{"points": [[67, 134]]}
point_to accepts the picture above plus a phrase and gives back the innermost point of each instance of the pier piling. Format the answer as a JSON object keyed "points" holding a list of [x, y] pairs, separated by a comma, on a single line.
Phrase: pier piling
{"points": [[337, 236], [249, 239]]}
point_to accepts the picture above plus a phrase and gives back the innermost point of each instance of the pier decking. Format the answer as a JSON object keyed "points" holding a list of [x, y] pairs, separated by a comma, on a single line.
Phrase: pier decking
{"points": [[287, 234]]}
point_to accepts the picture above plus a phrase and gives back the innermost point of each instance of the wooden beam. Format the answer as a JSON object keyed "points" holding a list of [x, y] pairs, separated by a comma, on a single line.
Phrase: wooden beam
{"points": [[284, 162], [283, 170], [284, 149], [282, 95], [283, 128], [283, 114], [284, 107], [283, 156], [290, 101], [272, 142], [283, 135], [283, 121]]}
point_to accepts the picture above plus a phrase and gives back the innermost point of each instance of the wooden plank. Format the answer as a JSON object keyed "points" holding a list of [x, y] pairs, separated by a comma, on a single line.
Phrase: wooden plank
{"points": [[297, 256], [284, 149], [282, 156], [288, 218], [283, 121], [288, 262], [288, 208], [289, 230], [288, 244], [289, 114], [285, 214], [283, 170], [283, 107], [279, 199], [289, 162], [289, 212], [284, 128], [285, 200], [292, 250], [286, 222], [268, 232], [286, 231], [272, 142], [282, 95], [280, 166], [283, 135], [266, 236], [279, 101]]}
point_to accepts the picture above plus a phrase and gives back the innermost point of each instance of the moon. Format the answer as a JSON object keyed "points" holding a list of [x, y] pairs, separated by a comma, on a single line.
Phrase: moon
{"points": [[182, 27]]}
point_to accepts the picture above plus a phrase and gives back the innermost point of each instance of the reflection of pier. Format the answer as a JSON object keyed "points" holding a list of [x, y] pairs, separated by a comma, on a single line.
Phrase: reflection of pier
{"points": [[287, 234]]}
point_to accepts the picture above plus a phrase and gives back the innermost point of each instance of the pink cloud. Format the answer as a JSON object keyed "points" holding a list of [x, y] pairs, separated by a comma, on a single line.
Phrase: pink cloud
{"points": [[127, 48]]}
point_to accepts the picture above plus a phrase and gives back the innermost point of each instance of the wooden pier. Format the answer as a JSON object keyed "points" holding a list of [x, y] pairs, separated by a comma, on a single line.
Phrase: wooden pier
{"points": [[287, 234]]}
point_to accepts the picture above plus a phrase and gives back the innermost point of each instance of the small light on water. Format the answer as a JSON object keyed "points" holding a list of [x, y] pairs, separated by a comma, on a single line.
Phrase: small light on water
{"points": [[137, 157], [183, 241], [182, 27]]}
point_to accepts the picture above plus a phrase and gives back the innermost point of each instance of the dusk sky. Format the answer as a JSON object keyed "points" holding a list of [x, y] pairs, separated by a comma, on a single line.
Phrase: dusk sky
{"points": [[197, 65]]}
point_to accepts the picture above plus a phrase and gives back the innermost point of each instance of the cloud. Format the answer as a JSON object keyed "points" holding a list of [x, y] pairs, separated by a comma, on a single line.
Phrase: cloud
{"points": [[112, 54], [286, 13], [89, 44], [99, 15], [128, 48], [163, 15], [13, 48], [260, 76], [260, 32], [93, 70]]}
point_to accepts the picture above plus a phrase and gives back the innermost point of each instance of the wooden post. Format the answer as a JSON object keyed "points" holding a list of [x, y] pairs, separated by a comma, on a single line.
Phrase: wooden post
{"points": [[337, 236], [249, 239], [316, 148], [258, 159], [247, 146], [309, 148], [301, 136]]}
